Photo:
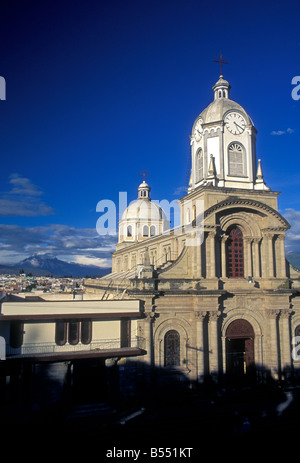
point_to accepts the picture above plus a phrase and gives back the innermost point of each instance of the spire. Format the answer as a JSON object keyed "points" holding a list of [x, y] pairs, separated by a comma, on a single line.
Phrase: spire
{"points": [[259, 175], [260, 184], [211, 177]]}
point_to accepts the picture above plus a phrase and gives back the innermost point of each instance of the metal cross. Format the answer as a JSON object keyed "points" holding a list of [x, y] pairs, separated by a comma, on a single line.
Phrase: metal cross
{"points": [[144, 174], [221, 61]]}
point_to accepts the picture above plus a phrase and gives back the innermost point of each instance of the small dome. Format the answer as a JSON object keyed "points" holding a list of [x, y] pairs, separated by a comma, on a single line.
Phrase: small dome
{"points": [[221, 83], [144, 185]]}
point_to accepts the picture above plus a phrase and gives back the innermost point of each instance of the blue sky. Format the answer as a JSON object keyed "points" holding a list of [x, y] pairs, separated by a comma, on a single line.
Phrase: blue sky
{"points": [[96, 91]]}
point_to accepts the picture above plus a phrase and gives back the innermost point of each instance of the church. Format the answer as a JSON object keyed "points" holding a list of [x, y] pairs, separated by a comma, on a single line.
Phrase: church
{"points": [[220, 300]]}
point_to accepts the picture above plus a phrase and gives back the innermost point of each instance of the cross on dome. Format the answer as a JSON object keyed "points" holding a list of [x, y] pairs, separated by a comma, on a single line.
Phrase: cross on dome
{"points": [[220, 61]]}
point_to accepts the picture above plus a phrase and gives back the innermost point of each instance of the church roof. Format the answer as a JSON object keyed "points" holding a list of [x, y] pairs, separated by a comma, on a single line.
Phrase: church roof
{"points": [[218, 108]]}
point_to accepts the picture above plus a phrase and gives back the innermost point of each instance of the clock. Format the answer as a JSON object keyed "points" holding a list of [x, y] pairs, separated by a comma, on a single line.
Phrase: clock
{"points": [[235, 123], [198, 129]]}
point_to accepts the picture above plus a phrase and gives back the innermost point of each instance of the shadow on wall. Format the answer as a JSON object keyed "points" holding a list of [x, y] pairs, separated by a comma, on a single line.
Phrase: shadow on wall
{"points": [[121, 404]]}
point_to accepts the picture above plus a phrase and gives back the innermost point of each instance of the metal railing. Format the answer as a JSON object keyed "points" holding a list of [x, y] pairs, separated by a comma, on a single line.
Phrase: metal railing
{"points": [[51, 347]]}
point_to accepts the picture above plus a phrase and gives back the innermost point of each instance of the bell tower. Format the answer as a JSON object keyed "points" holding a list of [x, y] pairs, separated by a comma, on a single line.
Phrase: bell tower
{"points": [[223, 145]]}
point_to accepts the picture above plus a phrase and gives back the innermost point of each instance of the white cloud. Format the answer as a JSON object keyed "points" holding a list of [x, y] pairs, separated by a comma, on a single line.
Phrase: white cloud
{"points": [[66, 243], [180, 191], [88, 260], [23, 200], [292, 241], [23, 186], [282, 132]]}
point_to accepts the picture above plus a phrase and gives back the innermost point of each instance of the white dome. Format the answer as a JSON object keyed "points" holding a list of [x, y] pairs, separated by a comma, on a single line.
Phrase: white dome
{"points": [[143, 209], [218, 108]]}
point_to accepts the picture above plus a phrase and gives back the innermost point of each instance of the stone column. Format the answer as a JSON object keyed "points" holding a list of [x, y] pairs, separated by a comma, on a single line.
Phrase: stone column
{"points": [[211, 255], [270, 255], [248, 257], [199, 345], [280, 257], [149, 319], [267, 267], [273, 343], [223, 256], [256, 258], [285, 342], [213, 334]]}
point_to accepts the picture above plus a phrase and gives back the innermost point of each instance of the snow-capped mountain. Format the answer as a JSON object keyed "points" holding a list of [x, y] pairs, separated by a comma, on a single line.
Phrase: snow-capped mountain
{"points": [[47, 264]]}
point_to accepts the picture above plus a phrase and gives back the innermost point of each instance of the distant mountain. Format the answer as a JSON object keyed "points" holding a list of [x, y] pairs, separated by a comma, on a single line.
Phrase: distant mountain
{"points": [[294, 259], [47, 264]]}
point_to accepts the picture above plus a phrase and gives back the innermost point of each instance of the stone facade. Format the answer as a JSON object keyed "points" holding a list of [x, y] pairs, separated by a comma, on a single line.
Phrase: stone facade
{"points": [[220, 299]]}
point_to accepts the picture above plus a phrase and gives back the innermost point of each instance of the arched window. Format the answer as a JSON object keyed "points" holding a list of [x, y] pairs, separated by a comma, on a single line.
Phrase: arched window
{"points": [[188, 216], [152, 230], [129, 230], [236, 160], [199, 165], [73, 333], [297, 330], [235, 254], [194, 212], [172, 348], [86, 332], [61, 333], [145, 230]]}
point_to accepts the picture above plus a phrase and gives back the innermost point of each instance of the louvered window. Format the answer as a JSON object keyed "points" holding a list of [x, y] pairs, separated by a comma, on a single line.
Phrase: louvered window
{"points": [[236, 160], [199, 165]]}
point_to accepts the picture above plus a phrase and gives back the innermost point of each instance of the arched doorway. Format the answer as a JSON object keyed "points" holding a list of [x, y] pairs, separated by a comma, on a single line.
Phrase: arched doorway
{"points": [[240, 361]]}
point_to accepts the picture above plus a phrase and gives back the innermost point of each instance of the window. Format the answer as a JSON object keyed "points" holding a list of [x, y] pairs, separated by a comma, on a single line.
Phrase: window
{"points": [[235, 254], [236, 160], [145, 230], [129, 230], [152, 230], [172, 348], [73, 333], [61, 333], [86, 332], [70, 331], [16, 334], [199, 165], [125, 333]]}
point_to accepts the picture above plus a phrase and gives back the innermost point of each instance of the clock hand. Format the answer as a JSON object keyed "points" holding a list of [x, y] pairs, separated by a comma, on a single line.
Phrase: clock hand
{"points": [[238, 125]]}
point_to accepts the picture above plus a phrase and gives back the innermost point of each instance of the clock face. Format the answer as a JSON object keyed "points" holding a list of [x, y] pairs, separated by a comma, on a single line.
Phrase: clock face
{"points": [[235, 123], [198, 130]]}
